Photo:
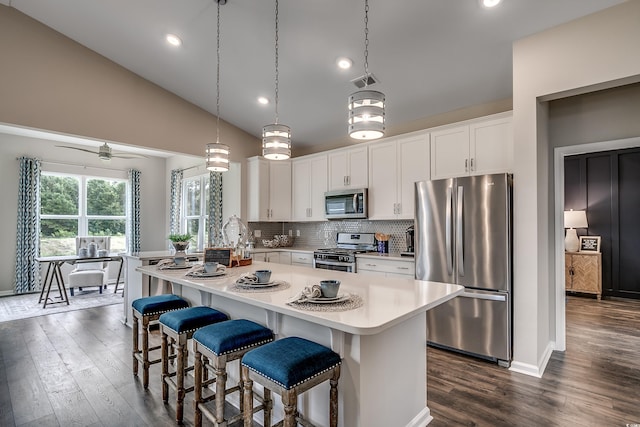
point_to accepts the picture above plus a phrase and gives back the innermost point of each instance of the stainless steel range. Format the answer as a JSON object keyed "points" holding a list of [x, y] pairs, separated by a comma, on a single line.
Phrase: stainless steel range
{"points": [[343, 256]]}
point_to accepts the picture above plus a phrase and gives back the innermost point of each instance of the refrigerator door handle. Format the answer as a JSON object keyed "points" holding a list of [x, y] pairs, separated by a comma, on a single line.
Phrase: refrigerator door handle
{"points": [[498, 297], [459, 232], [449, 231]]}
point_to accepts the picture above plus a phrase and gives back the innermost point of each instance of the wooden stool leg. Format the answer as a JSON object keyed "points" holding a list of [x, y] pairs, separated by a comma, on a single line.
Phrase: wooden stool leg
{"points": [[221, 385], [134, 331], [333, 397], [182, 352], [248, 398], [268, 406], [289, 400], [165, 368], [197, 389], [145, 353]]}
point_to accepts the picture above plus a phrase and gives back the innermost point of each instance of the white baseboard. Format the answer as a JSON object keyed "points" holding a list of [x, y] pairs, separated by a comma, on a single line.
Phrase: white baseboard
{"points": [[6, 293], [422, 419], [534, 370]]}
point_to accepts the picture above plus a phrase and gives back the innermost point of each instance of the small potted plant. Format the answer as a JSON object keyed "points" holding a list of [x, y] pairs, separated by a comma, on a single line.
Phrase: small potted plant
{"points": [[180, 243]]}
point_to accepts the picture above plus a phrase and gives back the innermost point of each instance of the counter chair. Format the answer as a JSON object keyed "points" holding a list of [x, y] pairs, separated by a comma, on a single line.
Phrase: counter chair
{"points": [[87, 274], [176, 329], [289, 367], [215, 346], [147, 310]]}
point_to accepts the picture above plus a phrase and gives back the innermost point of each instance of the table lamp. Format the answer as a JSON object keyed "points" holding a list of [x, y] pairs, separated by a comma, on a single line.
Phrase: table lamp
{"points": [[572, 220]]}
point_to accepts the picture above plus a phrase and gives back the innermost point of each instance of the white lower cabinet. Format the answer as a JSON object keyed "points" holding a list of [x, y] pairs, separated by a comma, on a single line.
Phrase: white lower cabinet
{"points": [[278, 257], [386, 267], [302, 258]]}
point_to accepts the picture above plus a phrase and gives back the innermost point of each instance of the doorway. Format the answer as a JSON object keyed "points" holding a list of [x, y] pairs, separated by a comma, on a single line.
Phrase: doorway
{"points": [[559, 184]]}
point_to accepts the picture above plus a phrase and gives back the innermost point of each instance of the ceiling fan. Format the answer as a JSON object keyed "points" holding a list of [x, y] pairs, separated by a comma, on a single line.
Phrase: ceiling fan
{"points": [[105, 154]]}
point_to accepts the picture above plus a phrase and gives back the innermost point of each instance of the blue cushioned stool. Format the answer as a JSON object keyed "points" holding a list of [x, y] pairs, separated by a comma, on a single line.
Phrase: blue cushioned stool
{"points": [[219, 344], [149, 309], [179, 326], [290, 366]]}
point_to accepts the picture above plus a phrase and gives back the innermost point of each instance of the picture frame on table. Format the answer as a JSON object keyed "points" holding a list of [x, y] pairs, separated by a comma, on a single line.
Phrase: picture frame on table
{"points": [[219, 255], [589, 244]]}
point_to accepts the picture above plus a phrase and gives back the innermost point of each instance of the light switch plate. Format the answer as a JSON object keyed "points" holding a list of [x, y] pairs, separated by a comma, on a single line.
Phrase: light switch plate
{"points": [[257, 233]]}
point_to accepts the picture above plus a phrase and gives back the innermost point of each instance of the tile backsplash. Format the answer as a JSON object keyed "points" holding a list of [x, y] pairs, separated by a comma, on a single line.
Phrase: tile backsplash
{"points": [[323, 234]]}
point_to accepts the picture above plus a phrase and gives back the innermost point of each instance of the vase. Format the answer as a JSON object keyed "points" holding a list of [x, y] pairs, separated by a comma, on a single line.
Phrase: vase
{"points": [[179, 258]]}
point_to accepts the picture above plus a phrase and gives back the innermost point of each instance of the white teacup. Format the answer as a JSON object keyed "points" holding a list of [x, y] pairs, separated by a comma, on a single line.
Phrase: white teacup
{"points": [[210, 267]]}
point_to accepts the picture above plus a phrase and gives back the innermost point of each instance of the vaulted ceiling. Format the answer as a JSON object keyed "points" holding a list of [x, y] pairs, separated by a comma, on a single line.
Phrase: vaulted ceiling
{"points": [[430, 56]]}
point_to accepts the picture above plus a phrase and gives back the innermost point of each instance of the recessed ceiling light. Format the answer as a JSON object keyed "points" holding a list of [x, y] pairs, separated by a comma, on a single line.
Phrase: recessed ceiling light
{"points": [[490, 3], [173, 40], [344, 63], [262, 100]]}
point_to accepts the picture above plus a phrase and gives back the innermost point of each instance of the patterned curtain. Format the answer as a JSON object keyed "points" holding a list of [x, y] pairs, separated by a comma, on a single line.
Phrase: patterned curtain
{"points": [[27, 277], [176, 201], [134, 211], [215, 209]]}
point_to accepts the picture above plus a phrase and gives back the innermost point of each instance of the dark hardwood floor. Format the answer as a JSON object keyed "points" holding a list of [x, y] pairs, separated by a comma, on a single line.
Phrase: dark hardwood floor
{"points": [[75, 369], [596, 382]]}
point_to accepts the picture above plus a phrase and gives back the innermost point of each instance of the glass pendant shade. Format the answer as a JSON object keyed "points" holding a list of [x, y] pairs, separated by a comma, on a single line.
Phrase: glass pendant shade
{"points": [[217, 157], [276, 142], [366, 115]]}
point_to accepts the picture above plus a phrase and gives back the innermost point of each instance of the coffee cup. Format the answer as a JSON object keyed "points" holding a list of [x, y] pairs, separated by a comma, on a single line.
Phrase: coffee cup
{"points": [[210, 267], [329, 288], [263, 275]]}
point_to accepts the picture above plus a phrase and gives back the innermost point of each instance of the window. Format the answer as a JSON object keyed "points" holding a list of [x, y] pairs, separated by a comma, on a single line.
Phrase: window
{"points": [[195, 203], [77, 205]]}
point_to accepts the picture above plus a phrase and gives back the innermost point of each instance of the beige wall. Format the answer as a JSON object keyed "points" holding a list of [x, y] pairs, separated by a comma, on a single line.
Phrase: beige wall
{"points": [[591, 53], [50, 82]]}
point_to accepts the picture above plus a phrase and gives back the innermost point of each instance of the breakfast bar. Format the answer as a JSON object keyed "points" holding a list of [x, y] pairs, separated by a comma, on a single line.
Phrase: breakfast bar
{"points": [[381, 334]]}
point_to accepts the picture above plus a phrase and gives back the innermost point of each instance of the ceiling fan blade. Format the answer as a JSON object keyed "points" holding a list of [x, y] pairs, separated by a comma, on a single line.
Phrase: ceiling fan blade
{"points": [[77, 148], [129, 156]]}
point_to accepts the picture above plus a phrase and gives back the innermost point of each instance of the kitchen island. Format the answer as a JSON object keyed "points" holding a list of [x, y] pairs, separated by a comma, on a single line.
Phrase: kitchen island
{"points": [[382, 341]]}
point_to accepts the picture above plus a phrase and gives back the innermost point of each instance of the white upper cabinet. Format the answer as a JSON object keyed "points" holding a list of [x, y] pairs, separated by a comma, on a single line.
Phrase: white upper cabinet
{"points": [[348, 168], [480, 147], [308, 187], [394, 166], [268, 190]]}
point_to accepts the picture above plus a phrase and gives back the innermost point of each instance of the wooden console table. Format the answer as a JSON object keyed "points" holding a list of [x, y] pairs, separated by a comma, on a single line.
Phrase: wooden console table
{"points": [[583, 272]]}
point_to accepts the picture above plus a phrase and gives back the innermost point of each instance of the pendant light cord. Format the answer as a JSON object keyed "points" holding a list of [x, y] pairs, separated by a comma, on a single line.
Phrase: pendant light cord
{"points": [[366, 43], [218, 78], [276, 62]]}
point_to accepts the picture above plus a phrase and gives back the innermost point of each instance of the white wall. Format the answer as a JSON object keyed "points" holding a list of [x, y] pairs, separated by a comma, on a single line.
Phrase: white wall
{"points": [[154, 186], [594, 52]]}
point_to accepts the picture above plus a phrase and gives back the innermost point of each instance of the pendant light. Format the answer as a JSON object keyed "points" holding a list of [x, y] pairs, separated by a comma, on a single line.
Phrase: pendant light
{"points": [[366, 107], [276, 138], [217, 154]]}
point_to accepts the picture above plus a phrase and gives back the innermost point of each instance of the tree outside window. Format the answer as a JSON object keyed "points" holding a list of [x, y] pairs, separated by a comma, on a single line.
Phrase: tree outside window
{"points": [[76, 205], [195, 208]]}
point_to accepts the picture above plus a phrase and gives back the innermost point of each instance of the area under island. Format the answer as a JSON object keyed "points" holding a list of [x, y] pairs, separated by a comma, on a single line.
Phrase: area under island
{"points": [[382, 340]]}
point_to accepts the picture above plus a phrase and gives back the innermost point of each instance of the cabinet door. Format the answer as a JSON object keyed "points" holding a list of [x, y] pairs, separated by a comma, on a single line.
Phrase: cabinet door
{"points": [[337, 170], [300, 185], [284, 258], [358, 168], [257, 189], [383, 180], [318, 186], [413, 165], [280, 190], [450, 152], [586, 273], [491, 146]]}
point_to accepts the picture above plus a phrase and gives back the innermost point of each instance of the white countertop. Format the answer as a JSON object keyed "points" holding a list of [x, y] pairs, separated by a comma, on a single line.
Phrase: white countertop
{"points": [[387, 301]]}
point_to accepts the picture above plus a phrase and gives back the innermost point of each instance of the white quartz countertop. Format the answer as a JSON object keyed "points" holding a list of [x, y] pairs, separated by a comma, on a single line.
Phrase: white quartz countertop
{"points": [[386, 301], [158, 254]]}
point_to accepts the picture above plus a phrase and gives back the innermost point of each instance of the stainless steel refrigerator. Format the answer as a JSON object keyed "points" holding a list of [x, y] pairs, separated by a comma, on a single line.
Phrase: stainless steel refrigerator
{"points": [[463, 235]]}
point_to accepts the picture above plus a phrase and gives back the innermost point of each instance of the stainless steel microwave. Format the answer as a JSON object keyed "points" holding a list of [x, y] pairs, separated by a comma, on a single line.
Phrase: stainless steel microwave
{"points": [[345, 204]]}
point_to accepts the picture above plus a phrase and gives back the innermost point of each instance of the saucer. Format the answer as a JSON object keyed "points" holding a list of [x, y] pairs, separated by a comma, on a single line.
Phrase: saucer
{"points": [[323, 300]]}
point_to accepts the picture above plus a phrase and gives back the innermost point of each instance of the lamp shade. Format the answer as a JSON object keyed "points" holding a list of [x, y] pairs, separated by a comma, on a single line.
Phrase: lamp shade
{"points": [[276, 142], [575, 219], [366, 115], [217, 157]]}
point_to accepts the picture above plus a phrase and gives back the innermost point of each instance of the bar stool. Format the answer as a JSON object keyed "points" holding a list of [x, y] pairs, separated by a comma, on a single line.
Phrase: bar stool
{"points": [[149, 309], [219, 344], [179, 326], [290, 366]]}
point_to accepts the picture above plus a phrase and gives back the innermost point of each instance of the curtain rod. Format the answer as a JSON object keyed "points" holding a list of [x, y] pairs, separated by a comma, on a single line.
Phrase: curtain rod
{"points": [[52, 162]]}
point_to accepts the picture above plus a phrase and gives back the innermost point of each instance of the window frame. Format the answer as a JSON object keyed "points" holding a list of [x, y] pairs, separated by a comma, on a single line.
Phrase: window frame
{"points": [[203, 216]]}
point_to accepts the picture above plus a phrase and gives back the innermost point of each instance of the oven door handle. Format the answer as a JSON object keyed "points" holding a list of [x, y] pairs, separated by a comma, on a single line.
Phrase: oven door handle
{"points": [[338, 263]]}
